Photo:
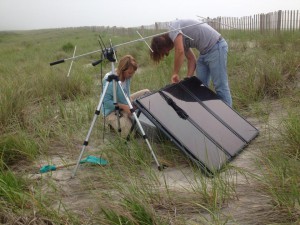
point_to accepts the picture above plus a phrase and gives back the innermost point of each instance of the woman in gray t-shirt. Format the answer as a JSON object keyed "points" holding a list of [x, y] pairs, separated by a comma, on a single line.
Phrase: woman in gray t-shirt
{"points": [[184, 35]]}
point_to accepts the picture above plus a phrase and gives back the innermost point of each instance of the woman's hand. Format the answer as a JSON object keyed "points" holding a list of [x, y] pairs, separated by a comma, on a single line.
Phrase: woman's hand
{"points": [[175, 78], [125, 108]]}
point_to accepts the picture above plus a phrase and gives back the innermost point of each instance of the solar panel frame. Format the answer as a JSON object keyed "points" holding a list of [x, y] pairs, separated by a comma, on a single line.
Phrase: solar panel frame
{"points": [[168, 109]]}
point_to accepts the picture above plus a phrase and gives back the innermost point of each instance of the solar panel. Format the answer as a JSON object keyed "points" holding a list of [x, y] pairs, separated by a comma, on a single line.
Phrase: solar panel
{"points": [[205, 128]]}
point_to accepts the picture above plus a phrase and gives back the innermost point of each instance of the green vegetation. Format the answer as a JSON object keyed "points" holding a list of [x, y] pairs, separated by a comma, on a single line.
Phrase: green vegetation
{"points": [[45, 114]]}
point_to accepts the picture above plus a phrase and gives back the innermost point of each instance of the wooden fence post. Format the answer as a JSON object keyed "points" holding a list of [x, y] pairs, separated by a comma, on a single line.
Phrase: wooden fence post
{"points": [[298, 20], [279, 21]]}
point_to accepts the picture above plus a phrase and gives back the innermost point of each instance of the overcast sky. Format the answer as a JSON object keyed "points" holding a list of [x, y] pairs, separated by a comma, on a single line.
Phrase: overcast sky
{"points": [[40, 14]]}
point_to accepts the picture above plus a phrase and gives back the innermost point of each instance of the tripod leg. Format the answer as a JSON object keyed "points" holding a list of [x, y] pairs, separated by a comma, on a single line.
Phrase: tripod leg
{"points": [[133, 126], [140, 127], [147, 141], [117, 109], [86, 141]]}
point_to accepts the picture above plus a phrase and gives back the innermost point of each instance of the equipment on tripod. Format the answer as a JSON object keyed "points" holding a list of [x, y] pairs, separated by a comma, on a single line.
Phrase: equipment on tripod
{"points": [[108, 53]]}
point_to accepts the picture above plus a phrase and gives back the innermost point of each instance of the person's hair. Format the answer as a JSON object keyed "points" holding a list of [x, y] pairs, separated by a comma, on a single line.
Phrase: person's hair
{"points": [[125, 63], [158, 43]]}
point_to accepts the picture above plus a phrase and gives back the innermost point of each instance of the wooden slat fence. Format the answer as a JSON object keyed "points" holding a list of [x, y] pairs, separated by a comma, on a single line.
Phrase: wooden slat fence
{"points": [[288, 20], [282, 20]]}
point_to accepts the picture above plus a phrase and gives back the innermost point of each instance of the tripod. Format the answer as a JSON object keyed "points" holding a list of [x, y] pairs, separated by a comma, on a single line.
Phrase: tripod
{"points": [[115, 79]]}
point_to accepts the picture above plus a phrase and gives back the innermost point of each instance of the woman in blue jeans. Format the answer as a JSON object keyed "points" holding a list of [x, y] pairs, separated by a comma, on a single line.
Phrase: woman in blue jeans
{"points": [[212, 62]]}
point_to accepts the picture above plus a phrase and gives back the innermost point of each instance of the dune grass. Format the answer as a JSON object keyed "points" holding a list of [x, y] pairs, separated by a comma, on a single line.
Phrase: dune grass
{"points": [[41, 108]]}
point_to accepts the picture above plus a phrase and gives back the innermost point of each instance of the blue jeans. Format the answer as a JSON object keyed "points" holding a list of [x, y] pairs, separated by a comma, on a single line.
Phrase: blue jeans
{"points": [[213, 66]]}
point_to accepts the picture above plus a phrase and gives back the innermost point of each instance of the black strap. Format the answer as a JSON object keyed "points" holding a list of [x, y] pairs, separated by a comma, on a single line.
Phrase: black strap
{"points": [[181, 113]]}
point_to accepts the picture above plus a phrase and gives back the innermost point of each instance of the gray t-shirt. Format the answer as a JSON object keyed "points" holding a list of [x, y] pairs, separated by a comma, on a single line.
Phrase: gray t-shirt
{"points": [[204, 36]]}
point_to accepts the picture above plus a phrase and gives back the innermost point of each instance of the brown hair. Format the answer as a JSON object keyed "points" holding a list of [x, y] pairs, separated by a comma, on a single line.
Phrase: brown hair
{"points": [[125, 63], [158, 43]]}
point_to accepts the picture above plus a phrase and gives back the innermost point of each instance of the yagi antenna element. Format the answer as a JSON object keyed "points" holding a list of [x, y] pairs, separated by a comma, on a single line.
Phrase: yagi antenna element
{"points": [[126, 43]]}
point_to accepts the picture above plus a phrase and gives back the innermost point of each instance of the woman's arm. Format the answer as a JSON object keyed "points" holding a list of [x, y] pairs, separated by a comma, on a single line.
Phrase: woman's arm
{"points": [[179, 54], [179, 57], [191, 64]]}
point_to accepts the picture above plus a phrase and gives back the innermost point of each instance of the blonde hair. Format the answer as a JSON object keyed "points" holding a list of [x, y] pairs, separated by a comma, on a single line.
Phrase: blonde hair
{"points": [[125, 63]]}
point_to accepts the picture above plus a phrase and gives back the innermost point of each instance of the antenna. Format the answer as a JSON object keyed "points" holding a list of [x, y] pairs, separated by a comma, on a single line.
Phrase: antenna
{"points": [[101, 42], [118, 45], [181, 33], [145, 41], [71, 62]]}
